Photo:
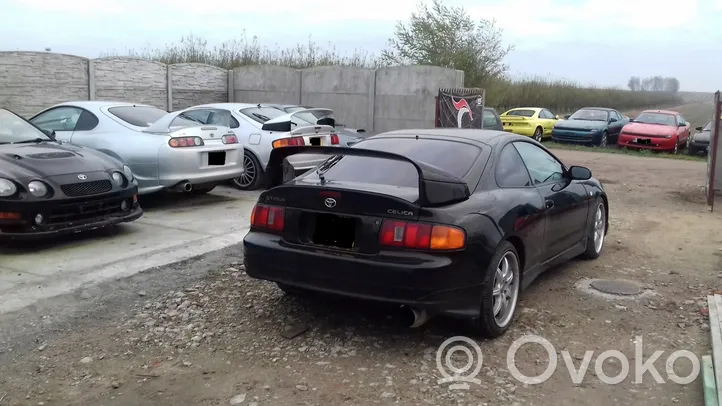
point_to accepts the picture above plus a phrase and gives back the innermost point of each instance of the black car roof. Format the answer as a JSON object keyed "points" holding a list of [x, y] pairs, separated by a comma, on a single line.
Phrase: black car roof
{"points": [[489, 137], [597, 108]]}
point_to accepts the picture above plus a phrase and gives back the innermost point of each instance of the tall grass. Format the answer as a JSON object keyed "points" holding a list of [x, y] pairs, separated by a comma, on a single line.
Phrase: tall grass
{"points": [[560, 96]]}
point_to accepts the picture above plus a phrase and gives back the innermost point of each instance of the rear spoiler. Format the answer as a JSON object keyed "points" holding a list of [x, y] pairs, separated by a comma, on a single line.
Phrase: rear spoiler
{"points": [[284, 123], [436, 187]]}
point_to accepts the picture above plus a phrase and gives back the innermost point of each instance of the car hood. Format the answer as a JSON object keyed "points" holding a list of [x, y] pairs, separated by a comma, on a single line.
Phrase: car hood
{"points": [[703, 136], [580, 125], [50, 159], [649, 129]]}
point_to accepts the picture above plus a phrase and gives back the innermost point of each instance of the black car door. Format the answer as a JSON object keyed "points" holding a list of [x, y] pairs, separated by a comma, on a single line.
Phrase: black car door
{"points": [[565, 202]]}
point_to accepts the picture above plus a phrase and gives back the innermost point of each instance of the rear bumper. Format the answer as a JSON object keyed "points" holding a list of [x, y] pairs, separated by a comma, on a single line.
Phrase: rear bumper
{"points": [[66, 216], [195, 166], [700, 146], [527, 131], [440, 284], [655, 143]]}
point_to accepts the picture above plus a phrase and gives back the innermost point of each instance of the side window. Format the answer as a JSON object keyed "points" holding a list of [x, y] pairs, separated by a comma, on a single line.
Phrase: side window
{"points": [[616, 115], [542, 167], [681, 120], [58, 119], [86, 122], [489, 119], [547, 114], [510, 171]]}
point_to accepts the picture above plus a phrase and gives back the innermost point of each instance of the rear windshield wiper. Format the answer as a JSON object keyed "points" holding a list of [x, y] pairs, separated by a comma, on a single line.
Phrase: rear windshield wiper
{"points": [[35, 140]]}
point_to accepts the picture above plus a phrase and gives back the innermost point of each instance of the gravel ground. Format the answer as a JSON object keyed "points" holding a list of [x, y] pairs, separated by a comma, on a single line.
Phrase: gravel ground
{"points": [[202, 332]]}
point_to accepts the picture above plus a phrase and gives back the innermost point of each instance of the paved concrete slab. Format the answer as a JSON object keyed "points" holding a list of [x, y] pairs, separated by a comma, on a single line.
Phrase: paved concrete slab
{"points": [[173, 228]]}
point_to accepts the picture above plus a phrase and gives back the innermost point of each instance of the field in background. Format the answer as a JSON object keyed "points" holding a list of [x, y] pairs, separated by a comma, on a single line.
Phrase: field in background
{"points": [[559, 96]]}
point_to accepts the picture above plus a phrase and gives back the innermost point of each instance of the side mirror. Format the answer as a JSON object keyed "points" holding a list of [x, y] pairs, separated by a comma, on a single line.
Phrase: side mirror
{"points": [[682, 125], [613, 120], [49, 133], [556, 116], [566, 117], [631, 120], [698, 128], [579, 173]]}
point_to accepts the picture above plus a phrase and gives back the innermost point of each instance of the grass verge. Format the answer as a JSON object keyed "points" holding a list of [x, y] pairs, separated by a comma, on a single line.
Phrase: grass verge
{"points": [[682, 155]]}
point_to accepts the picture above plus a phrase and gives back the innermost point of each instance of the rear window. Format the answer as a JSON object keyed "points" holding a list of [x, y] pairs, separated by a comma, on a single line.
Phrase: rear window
{"points": [[262, 114], [522, 113], [140, 116], [454, 158]]}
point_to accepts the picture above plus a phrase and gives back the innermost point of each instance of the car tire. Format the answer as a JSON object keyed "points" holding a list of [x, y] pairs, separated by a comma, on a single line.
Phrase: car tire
{"points": [[292, 290], [202, 190], [596, 233], [538, 134], [254, 175], [676, 147], [489, 324], [691, 150], [603, 140]]}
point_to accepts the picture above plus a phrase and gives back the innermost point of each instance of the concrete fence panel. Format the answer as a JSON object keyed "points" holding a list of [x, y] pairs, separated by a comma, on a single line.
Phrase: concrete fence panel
{"points": [[131, 80], [266, 84], [348, 90], [404, 95], [197, 83], [32, 81]]}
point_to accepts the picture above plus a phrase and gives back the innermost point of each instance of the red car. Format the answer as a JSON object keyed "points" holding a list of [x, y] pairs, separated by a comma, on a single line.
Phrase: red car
{"points": [[661, 130]]}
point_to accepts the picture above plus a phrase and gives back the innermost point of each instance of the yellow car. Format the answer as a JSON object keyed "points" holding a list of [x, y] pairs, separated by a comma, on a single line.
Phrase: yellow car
{"points": [[533, 122]]}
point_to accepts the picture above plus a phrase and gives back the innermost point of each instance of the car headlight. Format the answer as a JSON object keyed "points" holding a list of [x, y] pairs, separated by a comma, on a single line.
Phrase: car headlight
{"points": [[7, 188], [37, 188], [118, 178], [128, 172]]}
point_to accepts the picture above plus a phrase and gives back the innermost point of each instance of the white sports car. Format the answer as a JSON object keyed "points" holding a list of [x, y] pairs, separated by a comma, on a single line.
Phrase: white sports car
{"points": [[164, 150], [261, 128]]}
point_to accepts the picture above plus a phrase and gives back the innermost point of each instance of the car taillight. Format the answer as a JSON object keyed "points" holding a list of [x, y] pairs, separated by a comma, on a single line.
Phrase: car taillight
{"points": [[289, 142], [180, 142], [334, 139], [267, 217], [404, 234], [229, 139]]}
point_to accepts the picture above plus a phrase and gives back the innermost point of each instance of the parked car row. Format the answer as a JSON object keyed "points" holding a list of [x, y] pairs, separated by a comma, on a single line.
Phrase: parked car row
{"points": [[81, 165], [660, 130]]}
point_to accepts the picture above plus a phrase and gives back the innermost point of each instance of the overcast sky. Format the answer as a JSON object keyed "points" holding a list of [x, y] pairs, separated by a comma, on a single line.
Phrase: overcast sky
{"points": [[590, 41]]}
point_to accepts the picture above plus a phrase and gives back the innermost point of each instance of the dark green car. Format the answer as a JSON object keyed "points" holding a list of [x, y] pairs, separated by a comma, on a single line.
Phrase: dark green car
{"points": [[590, 126]]}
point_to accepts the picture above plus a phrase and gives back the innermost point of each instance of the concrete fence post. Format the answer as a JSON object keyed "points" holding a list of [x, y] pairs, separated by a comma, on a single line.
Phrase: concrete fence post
{"points": [[372, 103], [231, 87], [169, 87], [91, 79], [300, 86]]}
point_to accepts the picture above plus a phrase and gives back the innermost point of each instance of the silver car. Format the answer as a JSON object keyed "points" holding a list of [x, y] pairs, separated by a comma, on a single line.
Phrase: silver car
{"points": [[261, 128], [164, 150]]}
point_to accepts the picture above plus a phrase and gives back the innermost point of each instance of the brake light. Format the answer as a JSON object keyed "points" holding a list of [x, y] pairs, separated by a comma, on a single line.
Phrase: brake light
{"points": [[334, 139], [289, 142], [180, 142], [404, 234], [229, 139], [267, 217]]}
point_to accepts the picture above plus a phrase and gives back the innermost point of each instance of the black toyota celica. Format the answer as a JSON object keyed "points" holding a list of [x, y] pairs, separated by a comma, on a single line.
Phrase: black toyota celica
{"points": [[48, 188], [442, 221]]}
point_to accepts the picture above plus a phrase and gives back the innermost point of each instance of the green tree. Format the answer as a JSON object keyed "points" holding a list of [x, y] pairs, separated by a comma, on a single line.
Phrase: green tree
{"points": [[447, 36]]}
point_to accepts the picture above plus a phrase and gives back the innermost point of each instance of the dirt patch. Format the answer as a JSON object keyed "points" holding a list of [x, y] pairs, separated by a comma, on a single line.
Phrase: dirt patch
{"points": [[217, 338]]}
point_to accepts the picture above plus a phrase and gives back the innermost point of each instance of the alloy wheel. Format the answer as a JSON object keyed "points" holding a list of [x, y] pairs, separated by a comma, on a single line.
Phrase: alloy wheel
{"points": [[603, 141], [506, 289], [249, 175], [538, 134], [599, 224]]}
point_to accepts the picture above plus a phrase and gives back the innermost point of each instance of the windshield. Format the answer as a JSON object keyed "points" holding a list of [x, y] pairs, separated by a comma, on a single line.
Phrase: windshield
{"points": [[139, 116], [454, 158], [656, 118], [15, 129], [262, 114], [708, 127], [590, 115], [521, 113]]}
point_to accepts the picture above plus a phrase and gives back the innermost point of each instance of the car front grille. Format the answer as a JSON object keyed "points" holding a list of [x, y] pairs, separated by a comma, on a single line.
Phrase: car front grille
{"points": [[84, 211], [86, 188]]}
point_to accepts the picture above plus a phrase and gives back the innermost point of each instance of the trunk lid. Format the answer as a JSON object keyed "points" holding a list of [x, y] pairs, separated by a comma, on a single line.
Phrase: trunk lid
{"points": [[174, 124]]}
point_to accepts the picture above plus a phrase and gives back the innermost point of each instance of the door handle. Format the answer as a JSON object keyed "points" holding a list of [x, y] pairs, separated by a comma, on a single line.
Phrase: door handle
{"points": [[549, 204]]}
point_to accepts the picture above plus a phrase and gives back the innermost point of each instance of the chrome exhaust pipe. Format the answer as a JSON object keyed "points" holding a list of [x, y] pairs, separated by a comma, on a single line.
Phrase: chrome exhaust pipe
{"points": [[184, 187], [421, 316]]}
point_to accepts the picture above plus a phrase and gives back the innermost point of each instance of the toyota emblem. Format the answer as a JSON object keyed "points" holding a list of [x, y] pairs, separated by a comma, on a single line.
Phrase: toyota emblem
{"points": [[82, 177], [330, 202]]}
